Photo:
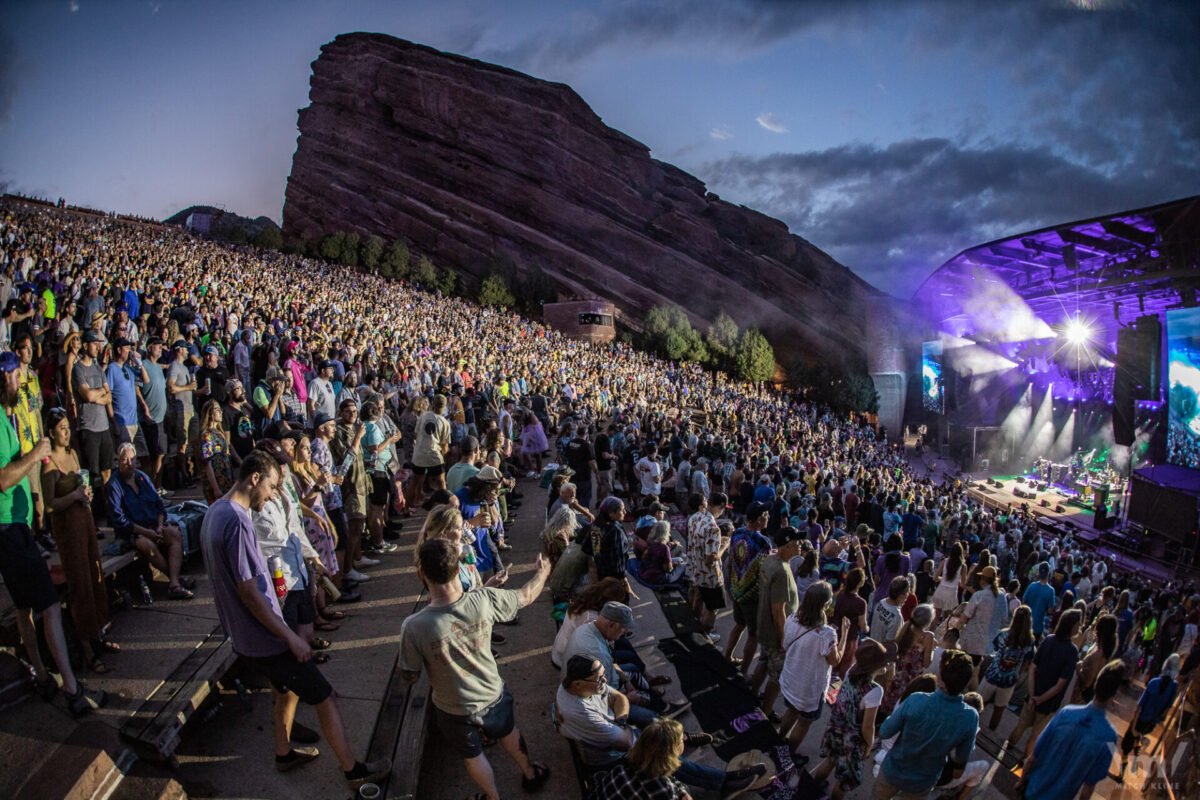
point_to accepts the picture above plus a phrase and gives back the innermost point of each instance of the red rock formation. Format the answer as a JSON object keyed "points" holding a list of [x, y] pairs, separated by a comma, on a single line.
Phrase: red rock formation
{"points": [[465, 159]]}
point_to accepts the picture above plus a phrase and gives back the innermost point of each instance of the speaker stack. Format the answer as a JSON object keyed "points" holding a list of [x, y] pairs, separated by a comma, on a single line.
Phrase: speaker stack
{"points": [[1138, 374]]}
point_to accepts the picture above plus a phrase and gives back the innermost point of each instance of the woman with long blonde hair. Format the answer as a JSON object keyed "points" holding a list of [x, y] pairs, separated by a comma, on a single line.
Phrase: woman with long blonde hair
{"points": [[311, 482], [216, 464]]}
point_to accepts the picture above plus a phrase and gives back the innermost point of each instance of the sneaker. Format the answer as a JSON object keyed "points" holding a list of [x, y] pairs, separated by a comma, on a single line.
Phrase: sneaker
{"points": [[387, 547], [504, 547], [699, 739], [297, 758], [739, 779], [371, 772], [531, 474], [85, 700], [674, 710], [367, 561], [357, 576], [304, 734], [714, 637]]}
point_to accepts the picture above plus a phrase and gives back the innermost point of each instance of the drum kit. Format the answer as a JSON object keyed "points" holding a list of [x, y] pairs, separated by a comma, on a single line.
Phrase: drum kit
{"points": [[1085, 473]]}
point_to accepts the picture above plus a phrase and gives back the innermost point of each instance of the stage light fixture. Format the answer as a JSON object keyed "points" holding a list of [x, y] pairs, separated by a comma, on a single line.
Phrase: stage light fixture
{"points": [[1078, 332]]}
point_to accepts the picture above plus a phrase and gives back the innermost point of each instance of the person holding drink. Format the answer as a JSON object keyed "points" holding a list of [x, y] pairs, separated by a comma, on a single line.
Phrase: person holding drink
{"points": [[69, 497]]}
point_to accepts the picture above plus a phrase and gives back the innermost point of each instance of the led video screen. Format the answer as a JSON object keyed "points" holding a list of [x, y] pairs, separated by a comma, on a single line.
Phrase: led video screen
{"points": [[1183, 379], [933, 397]]}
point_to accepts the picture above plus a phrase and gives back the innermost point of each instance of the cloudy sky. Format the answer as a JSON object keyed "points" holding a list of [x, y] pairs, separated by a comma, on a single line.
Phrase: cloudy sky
{"points": [[890, 134]]}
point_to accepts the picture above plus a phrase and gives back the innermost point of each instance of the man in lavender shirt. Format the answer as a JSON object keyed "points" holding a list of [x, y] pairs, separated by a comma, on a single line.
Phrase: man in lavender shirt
{"points": [[248, 608]]}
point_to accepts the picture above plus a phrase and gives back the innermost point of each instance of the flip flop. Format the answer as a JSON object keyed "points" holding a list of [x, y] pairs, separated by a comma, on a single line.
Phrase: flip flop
{"points": [[317, 643], [333, 615], [107, 646], [98, 666], [325, 625]]}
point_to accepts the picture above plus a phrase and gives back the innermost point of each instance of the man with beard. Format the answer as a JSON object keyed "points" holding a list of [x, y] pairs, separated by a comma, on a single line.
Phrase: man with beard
{"points": [[236, 416], [93, 396], [210, 379], [248, 608], [21, 566]]}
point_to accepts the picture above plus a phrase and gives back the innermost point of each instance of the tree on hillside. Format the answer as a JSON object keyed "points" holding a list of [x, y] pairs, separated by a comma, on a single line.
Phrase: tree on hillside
{"points": [[721, 338], [446, 281], [494, 291], [331, 246], [395, 260], [350, 250], [670, 332], [537, 289], [270, 237], [372, 250], [860, 393], [753, 358], [237, 235], [425, 274]]}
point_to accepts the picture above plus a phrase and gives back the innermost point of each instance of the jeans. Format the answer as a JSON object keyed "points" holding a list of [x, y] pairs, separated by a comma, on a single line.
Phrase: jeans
{"points": [[583, 492], [699, 775]]}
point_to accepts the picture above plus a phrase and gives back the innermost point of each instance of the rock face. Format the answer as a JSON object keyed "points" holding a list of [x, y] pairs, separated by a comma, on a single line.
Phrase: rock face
{"points": [[465, 159]]}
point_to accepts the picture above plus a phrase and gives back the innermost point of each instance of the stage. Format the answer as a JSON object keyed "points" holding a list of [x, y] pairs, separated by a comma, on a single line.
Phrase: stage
{"points": [[1127, 546]]}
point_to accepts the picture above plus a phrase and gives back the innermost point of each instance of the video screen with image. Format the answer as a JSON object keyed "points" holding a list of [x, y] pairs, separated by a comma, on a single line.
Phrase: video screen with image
{"points": [[932, 389], [1183, 381]]}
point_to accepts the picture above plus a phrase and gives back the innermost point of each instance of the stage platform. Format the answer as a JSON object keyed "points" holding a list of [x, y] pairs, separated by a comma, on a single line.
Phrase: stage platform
{"points": [[1123, 545]]}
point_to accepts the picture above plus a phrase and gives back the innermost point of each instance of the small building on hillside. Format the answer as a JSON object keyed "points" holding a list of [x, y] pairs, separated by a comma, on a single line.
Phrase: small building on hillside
{"points": [[588, 320]]}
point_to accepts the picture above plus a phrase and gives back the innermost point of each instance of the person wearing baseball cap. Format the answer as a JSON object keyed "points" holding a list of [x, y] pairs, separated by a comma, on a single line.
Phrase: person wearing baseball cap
{"points": [[210, 378], [235, 413], [25, 574], [180, 388], [777, 600]]}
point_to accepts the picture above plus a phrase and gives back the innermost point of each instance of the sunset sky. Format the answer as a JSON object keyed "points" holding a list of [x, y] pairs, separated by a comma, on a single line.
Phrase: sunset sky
{"points": [[890, 134]]}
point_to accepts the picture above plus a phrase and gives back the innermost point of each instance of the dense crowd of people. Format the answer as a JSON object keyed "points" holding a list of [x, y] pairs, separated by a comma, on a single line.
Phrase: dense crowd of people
{"points": [[316, 407]]}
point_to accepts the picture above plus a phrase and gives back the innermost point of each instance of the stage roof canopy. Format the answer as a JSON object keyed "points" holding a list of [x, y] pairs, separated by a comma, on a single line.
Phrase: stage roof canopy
{"points": [[1106, 271]]}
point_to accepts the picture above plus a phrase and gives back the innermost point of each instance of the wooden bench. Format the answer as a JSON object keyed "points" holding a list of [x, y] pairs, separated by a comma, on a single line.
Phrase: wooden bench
{"points": [[1003, 775], [401, 730], [154, 729]]}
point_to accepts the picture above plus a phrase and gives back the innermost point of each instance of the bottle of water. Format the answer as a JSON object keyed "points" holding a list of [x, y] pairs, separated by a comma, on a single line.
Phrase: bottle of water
{"points": [[145, 589]]}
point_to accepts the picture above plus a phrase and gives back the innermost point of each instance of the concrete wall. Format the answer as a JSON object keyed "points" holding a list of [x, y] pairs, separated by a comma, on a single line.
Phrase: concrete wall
{"points": [[565, 317]]}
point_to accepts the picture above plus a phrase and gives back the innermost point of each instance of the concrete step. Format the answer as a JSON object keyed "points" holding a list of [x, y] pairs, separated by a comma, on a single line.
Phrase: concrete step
{"points": [[136, 787], [16, 684], [90, 763]]}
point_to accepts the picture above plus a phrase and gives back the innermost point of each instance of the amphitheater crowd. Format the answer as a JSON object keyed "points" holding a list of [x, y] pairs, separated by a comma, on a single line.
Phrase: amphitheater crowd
{"points": [[318, 407]]}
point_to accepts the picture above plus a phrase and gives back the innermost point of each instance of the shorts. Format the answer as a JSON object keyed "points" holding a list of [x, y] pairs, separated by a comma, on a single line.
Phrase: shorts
{"points": [[151, 440], [380, 485], [97, 449], [774, 658], [289, 675], [298, 608], [992, 693], [811, 716], [354, 501], [1131, 739], [23, 569], [713, 597], [464, 732], [436, 469], [746, 613]]}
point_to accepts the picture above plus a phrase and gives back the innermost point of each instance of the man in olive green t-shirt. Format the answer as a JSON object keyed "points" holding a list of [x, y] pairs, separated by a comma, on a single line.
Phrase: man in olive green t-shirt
{"points": [[777, 599], [451, 639]]}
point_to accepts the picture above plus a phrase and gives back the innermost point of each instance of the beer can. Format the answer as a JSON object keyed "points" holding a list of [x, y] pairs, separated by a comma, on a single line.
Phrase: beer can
{"points": [[85, 478], [275, 565]]}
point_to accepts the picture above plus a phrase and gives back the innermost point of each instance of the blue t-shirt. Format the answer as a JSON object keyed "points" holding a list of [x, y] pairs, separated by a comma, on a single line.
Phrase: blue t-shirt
{"points": [[1156, 699], [911, 523], [1076, 748], [124, 398], [155, 392], [1039, 597]]}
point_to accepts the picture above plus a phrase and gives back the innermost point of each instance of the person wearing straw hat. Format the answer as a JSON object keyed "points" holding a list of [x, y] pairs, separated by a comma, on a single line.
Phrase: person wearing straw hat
{"points": [[851, 729]]}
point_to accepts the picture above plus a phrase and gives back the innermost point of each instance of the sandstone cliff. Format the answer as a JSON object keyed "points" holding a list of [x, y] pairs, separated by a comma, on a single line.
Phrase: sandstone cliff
{"points": [[465, 159]]}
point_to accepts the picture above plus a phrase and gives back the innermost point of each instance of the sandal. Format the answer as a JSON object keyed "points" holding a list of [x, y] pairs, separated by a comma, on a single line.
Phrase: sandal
{"points": [[97, 665], [317, 643], [325, 625], [541, 773], [660, 680], [320, 658], [106, 645], [179, 593], [332, 615]]}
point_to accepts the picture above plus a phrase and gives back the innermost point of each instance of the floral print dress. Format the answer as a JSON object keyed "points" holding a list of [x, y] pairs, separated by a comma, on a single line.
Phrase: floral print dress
{"points": [[214, 450], [909, 666], [843, 740]]}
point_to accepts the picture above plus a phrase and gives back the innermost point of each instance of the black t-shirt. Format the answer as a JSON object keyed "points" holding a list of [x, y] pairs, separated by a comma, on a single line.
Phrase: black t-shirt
{"points": [[578, 453], [241, 430], [218, 375], [603, 445], [1055, 660]]}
